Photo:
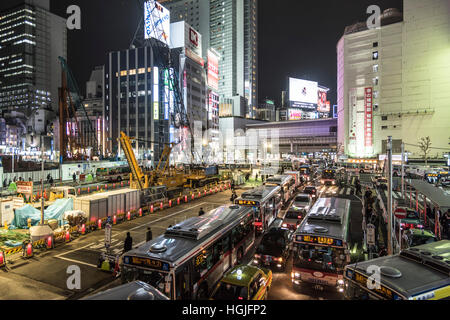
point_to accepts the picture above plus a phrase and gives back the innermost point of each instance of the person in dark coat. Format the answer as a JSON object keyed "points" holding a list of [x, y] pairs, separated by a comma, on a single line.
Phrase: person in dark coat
{"points": [[128, 244], [201, 212], [74, 177], [148, 235]]}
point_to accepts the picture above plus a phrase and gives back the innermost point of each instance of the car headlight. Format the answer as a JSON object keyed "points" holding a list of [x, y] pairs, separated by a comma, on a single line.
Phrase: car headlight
{"points": [[257, 256], [297, 275], [340, 282], [284, 225]]}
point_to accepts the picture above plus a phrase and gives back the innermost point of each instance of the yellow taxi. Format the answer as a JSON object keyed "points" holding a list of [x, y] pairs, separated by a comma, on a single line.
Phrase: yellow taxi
{"points": [[244, 282]]}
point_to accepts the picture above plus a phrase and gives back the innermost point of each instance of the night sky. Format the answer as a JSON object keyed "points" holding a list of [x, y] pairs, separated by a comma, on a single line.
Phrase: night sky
{"points": [[296, 38]]}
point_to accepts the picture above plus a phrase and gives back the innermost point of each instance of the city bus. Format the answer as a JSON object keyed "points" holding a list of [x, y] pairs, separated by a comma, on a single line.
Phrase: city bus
{"points": [[328, 177], [417, 273], [113, 174], [265, 201], [321, 245], [188, 260], [286, 183], [305, 172]]}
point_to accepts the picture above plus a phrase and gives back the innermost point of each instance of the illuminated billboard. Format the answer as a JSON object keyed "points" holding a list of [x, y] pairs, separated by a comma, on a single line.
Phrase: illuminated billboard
{"points": [[303, 91], [322, 104], [213, 70], [156, 21]]}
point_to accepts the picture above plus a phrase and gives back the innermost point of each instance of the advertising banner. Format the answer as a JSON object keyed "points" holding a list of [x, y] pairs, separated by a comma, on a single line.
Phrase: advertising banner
{"points": [[303, 91], [322, 105], [213, 70], [368, 123], [295, 114], [25, 187], [156, 21]]}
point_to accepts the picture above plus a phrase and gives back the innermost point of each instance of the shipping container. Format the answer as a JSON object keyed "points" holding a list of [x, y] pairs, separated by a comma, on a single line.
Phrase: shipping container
{"points": [[96, 207]]}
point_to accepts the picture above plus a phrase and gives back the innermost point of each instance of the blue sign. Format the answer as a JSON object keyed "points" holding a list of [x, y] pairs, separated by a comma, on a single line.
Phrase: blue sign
{"points": [[335, 111]]}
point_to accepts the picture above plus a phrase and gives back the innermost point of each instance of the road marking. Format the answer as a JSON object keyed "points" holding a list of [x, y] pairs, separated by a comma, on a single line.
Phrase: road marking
{"points": [[67, 252], [348, 191], [78, 262], [341, 191]]}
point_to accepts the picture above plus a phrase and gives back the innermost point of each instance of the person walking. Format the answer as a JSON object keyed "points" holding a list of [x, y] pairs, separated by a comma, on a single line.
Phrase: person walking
{"points": [[201, 212], [128, 244], [233, 196], [445, 222], [256, 177], [148, 235], [74, 177]]}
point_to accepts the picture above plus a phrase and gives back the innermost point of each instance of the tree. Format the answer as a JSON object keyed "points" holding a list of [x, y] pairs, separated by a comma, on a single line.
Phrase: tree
{"points": [[425, 145]]}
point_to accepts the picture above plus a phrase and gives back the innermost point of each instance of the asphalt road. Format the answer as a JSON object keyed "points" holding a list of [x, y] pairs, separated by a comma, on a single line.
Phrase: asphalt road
{"points": [[45, 276]]}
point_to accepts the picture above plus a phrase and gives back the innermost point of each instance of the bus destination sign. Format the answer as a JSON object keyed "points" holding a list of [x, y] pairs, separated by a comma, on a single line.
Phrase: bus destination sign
{"points": [[381, 290], [319, 240], [147, 262], [247, 202]]}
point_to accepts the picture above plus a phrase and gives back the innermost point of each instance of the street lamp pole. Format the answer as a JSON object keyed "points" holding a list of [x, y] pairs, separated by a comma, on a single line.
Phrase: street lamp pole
{"points": [[389, 200], [403, 170]]}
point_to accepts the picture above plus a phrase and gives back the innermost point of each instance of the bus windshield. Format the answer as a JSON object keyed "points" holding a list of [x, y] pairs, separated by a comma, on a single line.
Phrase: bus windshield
{"points": [[328, 174], [229, 291], [319, 258], [154, 278]]}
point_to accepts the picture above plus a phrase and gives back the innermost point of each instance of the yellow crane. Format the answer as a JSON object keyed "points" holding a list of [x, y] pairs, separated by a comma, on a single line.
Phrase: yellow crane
{"points": [[160, 176]]}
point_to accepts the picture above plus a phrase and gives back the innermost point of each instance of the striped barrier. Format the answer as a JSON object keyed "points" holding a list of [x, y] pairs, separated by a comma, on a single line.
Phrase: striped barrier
{"points": [[12, 251]]}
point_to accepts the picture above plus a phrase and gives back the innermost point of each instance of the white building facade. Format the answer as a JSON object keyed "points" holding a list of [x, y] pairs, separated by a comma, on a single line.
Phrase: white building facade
{"points": [[393, 81]]}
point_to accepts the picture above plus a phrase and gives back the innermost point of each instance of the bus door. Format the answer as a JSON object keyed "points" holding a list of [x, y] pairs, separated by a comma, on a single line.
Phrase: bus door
{"points": [[183, 283]]}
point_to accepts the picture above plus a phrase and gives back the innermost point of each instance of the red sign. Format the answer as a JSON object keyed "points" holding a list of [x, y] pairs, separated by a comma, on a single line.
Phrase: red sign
{"points": [[213, 70], [368, 118], [400, 213], [193, 37]]}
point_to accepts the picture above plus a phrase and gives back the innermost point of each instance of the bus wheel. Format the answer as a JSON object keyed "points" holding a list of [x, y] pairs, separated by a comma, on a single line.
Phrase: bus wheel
{"points": [[202, 293]]}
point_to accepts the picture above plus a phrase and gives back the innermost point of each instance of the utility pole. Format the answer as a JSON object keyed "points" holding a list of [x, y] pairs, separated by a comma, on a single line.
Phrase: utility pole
{"points": [[42, 182], [389, 199], [403, 170]]}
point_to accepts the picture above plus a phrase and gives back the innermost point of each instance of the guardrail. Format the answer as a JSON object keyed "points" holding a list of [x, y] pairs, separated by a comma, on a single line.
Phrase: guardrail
{"points": [[90, 226]]}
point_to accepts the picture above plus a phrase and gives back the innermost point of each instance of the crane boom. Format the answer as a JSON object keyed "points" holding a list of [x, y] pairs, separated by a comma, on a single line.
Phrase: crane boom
{"points": [[136, 171]]}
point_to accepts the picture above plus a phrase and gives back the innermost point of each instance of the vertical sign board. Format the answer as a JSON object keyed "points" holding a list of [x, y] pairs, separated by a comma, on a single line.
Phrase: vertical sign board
{"points": [[368, 124], [213, 70], [108, 231], [166, 94], [155, 93]]}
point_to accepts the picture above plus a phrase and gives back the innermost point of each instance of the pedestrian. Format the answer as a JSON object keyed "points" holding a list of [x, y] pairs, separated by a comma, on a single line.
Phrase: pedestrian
{"points": [[148, 235], [51, 181], [74, 177], [128, 244], [233, 196], [201, 212], [29, 179], [445, 222], [256, 177], [5, 183]]}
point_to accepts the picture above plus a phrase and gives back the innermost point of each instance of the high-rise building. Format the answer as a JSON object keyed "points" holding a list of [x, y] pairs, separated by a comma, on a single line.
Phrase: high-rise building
{"points": [[393, 81], [31, 39], [135, 101], [231, 28]]}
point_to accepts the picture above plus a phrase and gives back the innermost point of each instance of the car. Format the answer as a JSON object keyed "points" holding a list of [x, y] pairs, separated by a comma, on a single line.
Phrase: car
{"points": [[411, 221], [417, 237], [244, 282], [310, 190], [381, 183], [275, 247], [293, 218], [302, 201]]}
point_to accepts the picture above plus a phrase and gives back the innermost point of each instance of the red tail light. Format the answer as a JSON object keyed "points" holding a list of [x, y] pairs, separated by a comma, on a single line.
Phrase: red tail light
{"points": [[240, 298]]}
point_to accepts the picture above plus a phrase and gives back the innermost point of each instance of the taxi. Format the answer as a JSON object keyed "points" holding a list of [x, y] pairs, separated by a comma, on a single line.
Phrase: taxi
{"points": [[244, 282]]}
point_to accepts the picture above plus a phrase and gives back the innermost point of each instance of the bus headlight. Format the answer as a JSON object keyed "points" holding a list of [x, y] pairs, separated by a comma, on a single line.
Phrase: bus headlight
{"points": [[340, 282], [297, 275]]}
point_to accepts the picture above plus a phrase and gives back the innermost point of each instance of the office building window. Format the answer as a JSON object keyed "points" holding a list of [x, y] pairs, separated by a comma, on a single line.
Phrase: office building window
{"points": [[384, 118], [375, 68], [375, 55], [375, 44], [384, 127]]}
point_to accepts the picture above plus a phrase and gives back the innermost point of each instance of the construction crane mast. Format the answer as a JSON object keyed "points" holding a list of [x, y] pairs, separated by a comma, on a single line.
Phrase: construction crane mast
{"points": [[179, 116], [69, 103]]}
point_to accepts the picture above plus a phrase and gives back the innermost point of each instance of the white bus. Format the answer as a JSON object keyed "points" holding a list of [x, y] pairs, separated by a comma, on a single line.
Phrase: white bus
{"points": [[321, 244], [189, 259], [286, 183]]}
